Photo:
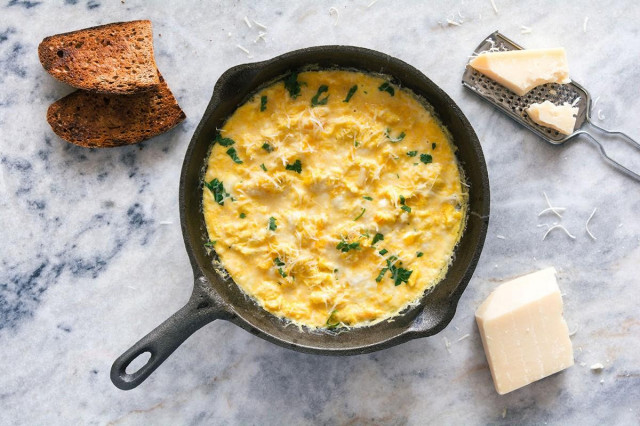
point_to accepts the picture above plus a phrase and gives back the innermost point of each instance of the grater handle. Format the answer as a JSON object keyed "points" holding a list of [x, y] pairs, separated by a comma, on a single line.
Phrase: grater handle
{"points": [[603, 153]]}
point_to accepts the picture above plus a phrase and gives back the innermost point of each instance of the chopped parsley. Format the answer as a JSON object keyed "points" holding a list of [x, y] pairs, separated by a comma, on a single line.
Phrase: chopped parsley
{"points": [[262, 166], [412, 153], [332, 321], [223, 141], [406, 208], [383, 252], [351, 92], [263, 103], [243, 215], [381, 274], [360, 215], [402, 199], [356, 144], [344, 246], [401, 136], [267, 147], [272, 224], [292, 84], [386, 87], [376, 238], [426, 158], [279, 263], [366, 197], [210, 243], [296, 167], [433, 145], [315, 101], [231, 152], [217, 189], [419, 254]]}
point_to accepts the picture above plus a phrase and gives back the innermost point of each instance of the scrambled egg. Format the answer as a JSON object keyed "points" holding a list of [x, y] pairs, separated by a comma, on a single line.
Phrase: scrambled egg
{"points": [[334, 198]]}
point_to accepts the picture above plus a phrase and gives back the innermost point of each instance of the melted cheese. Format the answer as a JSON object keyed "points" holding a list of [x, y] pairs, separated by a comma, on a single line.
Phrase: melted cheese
{"points": [[315, 263]]}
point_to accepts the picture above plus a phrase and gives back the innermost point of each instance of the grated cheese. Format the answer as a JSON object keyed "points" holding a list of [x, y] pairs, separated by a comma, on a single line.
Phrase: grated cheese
{"points": [[261, 35], [500, 237], [246, 20], [495, 8], [372, 3], [597, 366], [454, 23], [245, 50], [595, 102], [334, 11], [463, 337], [553, 209], [447, 344], [575, 101], [586, 225], [558, 226], [556, 210], [584, 24], [264, 27], [600, 115], [166, 222], [525, 30]]}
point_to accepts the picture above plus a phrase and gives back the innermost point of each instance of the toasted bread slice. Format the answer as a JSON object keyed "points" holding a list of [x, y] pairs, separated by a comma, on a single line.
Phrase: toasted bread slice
{"points": [[115, 58], [96, 120]]}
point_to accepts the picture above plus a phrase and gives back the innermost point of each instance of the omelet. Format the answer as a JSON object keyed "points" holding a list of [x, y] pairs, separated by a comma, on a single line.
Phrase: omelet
{"points": [[333, 198]]}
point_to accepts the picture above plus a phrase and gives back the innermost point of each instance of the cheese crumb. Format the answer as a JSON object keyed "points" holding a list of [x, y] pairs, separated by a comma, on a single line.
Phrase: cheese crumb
{"points": [[525, 30], [246, 21], [597, 366], [558, 226], [334, 11], [495, 8], [584, 24], [586, 225]]}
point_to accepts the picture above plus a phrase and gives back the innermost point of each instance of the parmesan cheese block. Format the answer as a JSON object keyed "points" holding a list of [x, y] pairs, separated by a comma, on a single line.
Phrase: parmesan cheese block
{"points": [[522, 70], [523, 332], [558, 117]]}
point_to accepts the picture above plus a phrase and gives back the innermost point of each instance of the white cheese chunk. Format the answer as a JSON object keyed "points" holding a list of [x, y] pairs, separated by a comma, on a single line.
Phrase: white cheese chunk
{"points": [[523, 332], [558, 117], [522, 70]]}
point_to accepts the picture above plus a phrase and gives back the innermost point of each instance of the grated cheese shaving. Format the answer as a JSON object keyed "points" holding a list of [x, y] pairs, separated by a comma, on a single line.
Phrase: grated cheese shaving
{"points": [[584, 24], [166, 222], [495, 8], [502, 237], [261, 35], [525, 30], [245, 50], [447, 344], [264, 27], [600, 115], [553, 209], [463, 337], [597, 366], [595, 102], [454, 23], [246, 21], [372, 3], [334, 11], [575, 101], [586, 225], [558, 226]]}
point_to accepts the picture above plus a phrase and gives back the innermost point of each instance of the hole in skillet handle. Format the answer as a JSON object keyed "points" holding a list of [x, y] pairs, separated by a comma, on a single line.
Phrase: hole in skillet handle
{"points": [[161, 342], [138, 363]]}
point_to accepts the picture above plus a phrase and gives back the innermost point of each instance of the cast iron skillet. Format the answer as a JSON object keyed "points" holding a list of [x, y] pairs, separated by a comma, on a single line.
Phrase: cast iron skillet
{"points": [[217, 298]]}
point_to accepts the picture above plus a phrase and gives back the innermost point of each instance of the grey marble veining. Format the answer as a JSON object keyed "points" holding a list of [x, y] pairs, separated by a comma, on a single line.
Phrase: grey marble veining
{"points": [[91, 253]]}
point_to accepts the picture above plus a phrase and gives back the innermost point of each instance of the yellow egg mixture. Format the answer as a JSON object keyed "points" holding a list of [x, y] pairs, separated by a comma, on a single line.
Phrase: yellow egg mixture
{"points": [[334, 198]]}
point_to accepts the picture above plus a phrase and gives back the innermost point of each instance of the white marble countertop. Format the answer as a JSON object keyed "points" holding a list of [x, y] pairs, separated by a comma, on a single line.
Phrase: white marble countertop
{"points": [[92, 258]]}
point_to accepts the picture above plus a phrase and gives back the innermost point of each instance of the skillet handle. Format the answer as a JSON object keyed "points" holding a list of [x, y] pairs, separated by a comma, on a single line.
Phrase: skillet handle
{"points": [[164, 339]]}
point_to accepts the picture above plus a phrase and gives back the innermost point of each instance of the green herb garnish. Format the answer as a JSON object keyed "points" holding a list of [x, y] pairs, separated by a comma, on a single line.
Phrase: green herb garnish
{"points": [[376, 238], [263, 103], [419, 254], [386, 87], [383, 252], [360, 215], [356, 144], [412, 153], [381, 274], [231, 152], [243, 215], [351, 92], [210, 243], [292, 84], [217, 189], [344, 246], [315, 101], [267, 147], [332, 322], [426, 158], [223, 141], [272, 224], [296, 167], [262, 166], [366, 197], [399, 275], [279, 263], [433, 145], [406, 208], [401, 136]]}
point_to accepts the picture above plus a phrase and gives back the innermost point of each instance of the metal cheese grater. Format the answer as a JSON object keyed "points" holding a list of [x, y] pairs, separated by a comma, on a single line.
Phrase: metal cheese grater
{"points": [[514, 106]]}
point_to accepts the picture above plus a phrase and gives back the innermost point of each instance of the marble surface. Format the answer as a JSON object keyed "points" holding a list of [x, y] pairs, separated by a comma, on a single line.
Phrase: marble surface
{"points": [[92, 258]]}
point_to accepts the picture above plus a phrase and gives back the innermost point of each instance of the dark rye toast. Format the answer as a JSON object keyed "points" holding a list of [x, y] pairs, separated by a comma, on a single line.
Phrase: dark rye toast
{"points": [[115, 58], [95, 120]]}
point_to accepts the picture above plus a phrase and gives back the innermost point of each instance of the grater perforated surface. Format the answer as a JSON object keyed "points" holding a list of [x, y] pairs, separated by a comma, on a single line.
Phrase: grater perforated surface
{"points": [[513, 105]]}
